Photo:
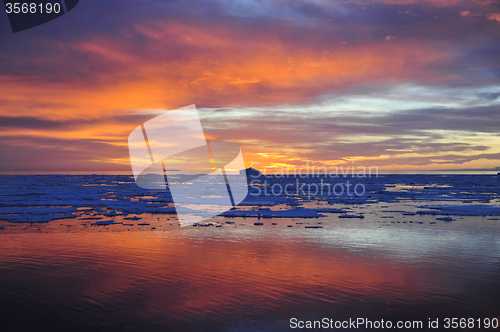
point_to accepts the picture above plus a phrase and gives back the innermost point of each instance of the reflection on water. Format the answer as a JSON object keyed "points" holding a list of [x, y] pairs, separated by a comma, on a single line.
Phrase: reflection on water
{"points": [[248, 279]]}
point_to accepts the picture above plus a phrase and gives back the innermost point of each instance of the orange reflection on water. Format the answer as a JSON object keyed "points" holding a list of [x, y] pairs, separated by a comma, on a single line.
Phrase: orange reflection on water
{"points": [[189, 274]]}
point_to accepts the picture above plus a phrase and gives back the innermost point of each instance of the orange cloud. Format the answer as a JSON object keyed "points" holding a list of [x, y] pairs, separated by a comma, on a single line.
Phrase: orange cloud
{"points": [[158, 65], [467, 13], [494, 17], [218, 69]]}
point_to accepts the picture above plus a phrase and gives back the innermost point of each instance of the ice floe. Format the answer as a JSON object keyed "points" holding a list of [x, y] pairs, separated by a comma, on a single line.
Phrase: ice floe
{"points": [[462, 210], [44, 198]]}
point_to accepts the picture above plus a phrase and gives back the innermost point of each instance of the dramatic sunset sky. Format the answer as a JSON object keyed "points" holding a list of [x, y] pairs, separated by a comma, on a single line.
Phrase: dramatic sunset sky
{"points": [[400, 84]]}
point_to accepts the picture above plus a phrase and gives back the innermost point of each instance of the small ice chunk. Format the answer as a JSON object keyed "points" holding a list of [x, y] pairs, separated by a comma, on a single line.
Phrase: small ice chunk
{"points": [[359, 216], [105, 223]]}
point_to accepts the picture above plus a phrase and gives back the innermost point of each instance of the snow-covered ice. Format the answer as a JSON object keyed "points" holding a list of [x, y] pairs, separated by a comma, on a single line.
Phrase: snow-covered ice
{"points": [[45, 198]]}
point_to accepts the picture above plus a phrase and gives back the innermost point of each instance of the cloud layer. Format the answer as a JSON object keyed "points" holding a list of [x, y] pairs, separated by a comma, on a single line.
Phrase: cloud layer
{"points": [[395, 83]]}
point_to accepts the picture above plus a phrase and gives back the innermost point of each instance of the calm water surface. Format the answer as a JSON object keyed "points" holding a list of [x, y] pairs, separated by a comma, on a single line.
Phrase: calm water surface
{"points": [[248, 279]]}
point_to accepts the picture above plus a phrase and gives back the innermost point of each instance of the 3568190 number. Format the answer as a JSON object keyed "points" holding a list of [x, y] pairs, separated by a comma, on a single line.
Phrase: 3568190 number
{"points": [[462, 323], [32, 8]]}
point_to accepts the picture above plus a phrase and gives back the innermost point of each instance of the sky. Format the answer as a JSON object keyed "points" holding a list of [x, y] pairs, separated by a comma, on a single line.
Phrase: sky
{"points": [[397, 84]]}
